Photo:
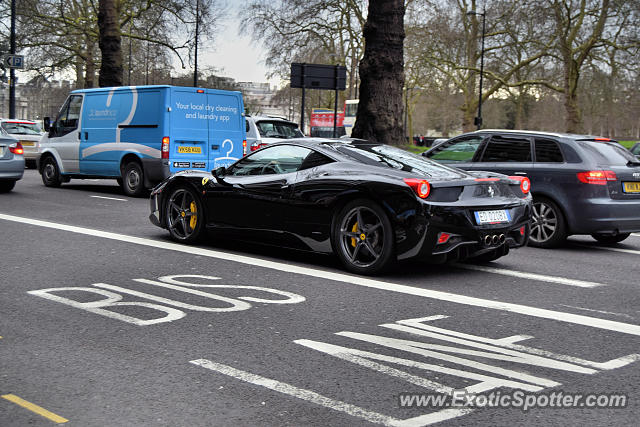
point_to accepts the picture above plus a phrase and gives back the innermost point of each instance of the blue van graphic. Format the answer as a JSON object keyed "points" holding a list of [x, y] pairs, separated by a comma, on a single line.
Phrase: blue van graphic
{"points": [[139, 135]]}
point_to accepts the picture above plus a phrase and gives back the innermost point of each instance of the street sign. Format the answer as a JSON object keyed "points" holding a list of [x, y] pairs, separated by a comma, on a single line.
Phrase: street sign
{"points": [[318, 76], [13, 61]]}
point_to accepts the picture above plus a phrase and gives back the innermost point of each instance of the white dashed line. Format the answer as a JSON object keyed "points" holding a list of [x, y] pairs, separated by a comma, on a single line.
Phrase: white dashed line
{"points": [[109, 198], [532, 276]]}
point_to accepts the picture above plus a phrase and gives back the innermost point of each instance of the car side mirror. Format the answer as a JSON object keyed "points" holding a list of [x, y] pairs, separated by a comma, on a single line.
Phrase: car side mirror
{"points": [[47, 124], [219, 172]]}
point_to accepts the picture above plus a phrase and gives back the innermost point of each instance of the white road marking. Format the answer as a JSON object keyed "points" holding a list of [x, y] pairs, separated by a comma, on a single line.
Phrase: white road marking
{"points": [[593, 322], [604, 248], [531, 276], [109, 198], [598, 311], [635, 234]]}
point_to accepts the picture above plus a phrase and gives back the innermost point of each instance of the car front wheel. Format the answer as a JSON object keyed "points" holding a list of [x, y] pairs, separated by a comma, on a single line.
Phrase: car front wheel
{"points": [[363, 237], [184, 215], [51, 173], [610, 239], [548, 229]]}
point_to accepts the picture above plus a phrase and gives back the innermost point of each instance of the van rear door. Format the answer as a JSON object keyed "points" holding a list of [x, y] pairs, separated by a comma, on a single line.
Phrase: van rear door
{"points": [[189, 148], [226, 127]]}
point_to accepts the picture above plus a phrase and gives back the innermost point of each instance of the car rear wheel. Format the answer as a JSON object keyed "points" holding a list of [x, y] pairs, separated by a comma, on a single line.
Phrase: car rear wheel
{"points": [[132, 180], [610, 239], [184, 215], [363, 237], [6, 186], [51, 173], [548, 229]]}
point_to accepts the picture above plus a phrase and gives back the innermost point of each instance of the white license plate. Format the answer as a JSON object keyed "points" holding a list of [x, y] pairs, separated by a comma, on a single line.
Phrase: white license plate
{"points": [[492, 217]]}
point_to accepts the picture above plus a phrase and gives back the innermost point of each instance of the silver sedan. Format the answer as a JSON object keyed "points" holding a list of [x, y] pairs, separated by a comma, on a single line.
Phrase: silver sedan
{"points": [[11, 162]]}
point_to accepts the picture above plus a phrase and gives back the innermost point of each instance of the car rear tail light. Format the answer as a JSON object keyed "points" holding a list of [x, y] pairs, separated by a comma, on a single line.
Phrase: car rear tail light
{"points": [[165, 147], [602, 139], [525, 184], [522, 230], [597, 177], [257, 146], [420, 186], [443, 238], [16, 148]]}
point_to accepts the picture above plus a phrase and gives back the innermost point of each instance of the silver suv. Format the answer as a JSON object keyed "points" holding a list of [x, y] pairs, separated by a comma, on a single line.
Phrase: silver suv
{"points": [[263, 130]]}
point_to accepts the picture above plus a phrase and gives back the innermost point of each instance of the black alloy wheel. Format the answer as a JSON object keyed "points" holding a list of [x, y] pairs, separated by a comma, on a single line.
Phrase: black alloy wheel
{"points": [[363, 237], [132, 180], [184, 215], [609, 239], [51, 173], [548, 229]]}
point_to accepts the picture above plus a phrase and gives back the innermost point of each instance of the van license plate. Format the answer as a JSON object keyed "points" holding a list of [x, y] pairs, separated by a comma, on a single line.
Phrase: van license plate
{"points": [[492, 217], [190, 150], [631, 187]]}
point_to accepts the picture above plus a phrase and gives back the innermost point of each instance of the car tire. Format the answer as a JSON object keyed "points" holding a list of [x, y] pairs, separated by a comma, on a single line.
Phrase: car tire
{"points": [[609, 239], [548, 229], [6, 186], [363, 238], [132, 181], [50, 173], [184, 216]]}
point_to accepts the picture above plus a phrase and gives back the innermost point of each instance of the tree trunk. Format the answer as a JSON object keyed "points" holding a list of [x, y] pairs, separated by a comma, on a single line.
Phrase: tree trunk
{"points": [[109, 27], [380, 110], [90, 68]]}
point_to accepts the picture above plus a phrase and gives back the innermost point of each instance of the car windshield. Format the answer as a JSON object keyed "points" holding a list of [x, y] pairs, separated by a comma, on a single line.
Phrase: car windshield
{"points": [[21, 128], [608, 153], [277, 129], [392, 157]]}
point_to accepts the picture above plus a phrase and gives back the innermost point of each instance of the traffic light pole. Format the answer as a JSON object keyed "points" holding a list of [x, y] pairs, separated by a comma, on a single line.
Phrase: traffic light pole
{"points": [[12, 71]]}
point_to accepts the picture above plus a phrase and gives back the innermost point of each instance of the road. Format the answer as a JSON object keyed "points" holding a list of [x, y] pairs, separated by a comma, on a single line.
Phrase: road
{"points": [[105, 321]]}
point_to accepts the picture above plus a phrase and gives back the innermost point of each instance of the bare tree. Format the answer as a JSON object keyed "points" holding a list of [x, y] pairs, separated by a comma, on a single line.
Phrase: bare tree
{"points": [[380, 110]]}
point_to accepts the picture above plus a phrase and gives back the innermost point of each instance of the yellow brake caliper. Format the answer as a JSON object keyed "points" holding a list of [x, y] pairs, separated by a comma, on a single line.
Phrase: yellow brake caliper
{"points": [[355, 230], [194, 217]]}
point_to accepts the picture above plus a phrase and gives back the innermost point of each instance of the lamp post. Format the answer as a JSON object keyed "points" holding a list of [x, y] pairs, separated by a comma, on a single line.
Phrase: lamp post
{"points": [[195, 71], [478, 119]]}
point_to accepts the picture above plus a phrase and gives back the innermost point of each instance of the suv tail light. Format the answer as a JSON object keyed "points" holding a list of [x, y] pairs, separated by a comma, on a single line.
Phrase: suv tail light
{"points": [[244, 147], [257, 145], [421, 186], [165, 147], [16, 148], [525, 184], [597, 177]]}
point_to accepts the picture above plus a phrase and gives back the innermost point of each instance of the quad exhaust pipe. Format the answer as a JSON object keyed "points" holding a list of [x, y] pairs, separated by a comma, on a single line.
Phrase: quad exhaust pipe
{"points": [[494, 239]]}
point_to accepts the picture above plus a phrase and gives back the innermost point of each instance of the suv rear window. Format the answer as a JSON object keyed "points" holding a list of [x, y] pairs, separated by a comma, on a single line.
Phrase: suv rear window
{"points": [[608, 153], [277, 129], [501, 149], [548, 151]]}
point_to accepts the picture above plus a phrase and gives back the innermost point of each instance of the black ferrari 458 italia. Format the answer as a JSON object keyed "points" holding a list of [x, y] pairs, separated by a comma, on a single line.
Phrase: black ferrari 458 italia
{"points": [[370, 204]]}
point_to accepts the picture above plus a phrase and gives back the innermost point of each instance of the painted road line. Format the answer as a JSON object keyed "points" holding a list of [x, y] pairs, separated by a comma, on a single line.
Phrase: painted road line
{"points": [[336, 405], [578, 319], [109, 198], [635, 234], [604, 248], [531, 276], [35, 408]]}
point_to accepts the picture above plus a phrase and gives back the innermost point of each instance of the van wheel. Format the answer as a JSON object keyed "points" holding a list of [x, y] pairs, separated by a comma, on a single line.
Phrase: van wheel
{"points": [[50, 173], [132, 180]]}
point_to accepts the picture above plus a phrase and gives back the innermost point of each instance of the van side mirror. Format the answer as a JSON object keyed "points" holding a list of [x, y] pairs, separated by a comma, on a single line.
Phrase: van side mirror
{"points": [[47, 124]]}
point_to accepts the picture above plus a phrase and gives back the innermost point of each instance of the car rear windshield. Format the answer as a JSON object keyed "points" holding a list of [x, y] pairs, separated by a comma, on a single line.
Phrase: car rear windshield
{"points": [[392, 157], [276, 129], [608, 153], [21, 128]]}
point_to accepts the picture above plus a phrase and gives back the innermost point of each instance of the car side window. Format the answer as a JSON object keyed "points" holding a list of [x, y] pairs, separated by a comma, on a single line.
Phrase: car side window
{"points": [[68, 117], [279, 159], [314, 159], [507, 149], [458, 151], [548, 151]]}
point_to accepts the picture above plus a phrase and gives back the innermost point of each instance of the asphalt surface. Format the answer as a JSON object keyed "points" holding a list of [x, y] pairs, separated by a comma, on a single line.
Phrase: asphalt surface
{"points": [[151, 333]]}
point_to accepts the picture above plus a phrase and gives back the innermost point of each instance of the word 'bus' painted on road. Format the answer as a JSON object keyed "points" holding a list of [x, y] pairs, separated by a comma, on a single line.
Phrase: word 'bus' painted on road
{"points": [[112, 296]]}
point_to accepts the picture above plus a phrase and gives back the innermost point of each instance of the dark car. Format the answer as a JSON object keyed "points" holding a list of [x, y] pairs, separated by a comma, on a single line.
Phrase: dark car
{"points": [[580, 184], [370, 204]]}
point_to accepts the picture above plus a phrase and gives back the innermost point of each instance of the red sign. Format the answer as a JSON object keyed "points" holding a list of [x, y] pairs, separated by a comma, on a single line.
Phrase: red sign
{"points": [[326, 119]]}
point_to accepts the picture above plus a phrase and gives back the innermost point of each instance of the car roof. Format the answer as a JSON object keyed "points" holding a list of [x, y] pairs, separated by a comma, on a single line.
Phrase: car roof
{"points": [[31, 122], [536, 132], [270, 118]]}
